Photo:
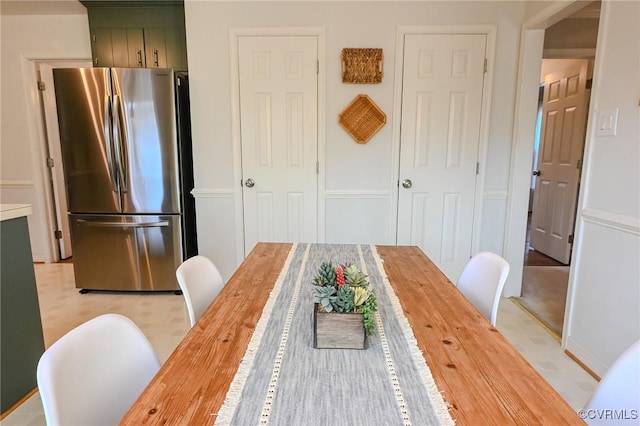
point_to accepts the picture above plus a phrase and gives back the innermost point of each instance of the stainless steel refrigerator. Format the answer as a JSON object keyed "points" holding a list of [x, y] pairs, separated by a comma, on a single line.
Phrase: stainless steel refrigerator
{"points": [[126, 150]]}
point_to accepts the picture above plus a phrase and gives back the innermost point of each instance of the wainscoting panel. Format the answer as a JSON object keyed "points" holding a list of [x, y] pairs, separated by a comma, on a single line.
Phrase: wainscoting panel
{"points": [[358, 217], [216, 219], [605, 299], [24, 192]]}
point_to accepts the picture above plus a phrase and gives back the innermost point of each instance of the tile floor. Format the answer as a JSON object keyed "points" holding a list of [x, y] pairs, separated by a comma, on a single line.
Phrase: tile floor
{"points": [[163, 318]]}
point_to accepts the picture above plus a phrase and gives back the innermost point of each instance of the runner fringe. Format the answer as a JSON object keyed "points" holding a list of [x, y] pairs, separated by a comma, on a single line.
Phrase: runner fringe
{"points": [[232, 399], [402, 406], [275, 373], [440, 406]]}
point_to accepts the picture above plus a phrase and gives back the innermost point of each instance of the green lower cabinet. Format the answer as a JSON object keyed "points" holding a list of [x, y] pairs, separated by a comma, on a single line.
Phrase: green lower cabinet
{"points": [[21, 338]]}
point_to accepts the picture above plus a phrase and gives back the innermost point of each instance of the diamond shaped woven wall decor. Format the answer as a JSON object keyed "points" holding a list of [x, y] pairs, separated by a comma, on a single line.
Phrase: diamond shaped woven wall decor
{"points": [[362, 119]]}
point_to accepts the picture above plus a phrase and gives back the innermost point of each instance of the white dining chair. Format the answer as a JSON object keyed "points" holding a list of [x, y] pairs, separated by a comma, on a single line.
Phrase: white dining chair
{"points": [[200, 282], [95, 372], [618, 392], [482, 282]]}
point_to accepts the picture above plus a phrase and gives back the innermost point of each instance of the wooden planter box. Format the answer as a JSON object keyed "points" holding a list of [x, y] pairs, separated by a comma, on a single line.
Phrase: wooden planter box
{"points": [[338, 331]]}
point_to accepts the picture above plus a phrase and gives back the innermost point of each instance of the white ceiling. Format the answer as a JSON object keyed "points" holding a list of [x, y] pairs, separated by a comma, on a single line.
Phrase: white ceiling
{"points": [[41, 7]]}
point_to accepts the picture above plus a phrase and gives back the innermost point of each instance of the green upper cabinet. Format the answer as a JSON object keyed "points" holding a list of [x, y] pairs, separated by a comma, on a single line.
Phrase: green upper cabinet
{"points": [[118, 47], [146, 34]]}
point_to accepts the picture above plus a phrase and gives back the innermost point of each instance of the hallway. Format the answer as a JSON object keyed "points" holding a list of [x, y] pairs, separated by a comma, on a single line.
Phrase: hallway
{"points": [[544, 288]]}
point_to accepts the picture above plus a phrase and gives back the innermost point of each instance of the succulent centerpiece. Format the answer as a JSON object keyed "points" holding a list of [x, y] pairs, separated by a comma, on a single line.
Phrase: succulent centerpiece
{"points": [[343, 289]]}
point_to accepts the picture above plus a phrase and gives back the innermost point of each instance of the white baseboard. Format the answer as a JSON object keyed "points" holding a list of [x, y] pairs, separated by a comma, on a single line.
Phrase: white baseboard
{"points": [[582, 354]]}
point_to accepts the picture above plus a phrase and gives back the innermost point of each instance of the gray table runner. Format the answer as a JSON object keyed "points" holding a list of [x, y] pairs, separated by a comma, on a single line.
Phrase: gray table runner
{"points": [[283, 380]]}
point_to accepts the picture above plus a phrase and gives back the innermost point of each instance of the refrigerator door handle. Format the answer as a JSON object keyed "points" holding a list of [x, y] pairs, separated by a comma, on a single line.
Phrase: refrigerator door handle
{"points": [[120, 141], [107, 137], [159, 224]]}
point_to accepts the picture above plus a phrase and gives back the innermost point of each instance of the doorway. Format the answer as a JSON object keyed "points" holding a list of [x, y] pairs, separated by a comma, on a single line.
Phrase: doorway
{"points": [[550, 222], [558, 163]]}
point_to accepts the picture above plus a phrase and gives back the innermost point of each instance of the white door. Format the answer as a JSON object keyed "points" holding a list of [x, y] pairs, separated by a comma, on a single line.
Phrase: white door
{"points": [[442, 84], [564, 112], [279, 135], [55, 153]]}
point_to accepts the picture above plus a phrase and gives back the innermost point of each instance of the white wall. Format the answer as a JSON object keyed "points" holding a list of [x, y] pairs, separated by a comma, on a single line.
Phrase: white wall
{"points": [[25, 39], [604, 304], [358, 178]]}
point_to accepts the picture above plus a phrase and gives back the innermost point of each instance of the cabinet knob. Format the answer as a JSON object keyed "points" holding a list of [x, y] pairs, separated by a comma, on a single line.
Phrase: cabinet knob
{"points": [[155, 57], [139, 57]]}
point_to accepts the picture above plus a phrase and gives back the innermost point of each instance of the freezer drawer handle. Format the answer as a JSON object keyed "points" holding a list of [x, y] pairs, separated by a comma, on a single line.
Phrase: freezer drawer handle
{"points": [[162, 223]]}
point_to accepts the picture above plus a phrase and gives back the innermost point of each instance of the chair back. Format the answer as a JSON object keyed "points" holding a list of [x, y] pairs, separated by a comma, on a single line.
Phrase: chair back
{"points": [[200, 282], [482, 282], [95, 372], [618, 392]]}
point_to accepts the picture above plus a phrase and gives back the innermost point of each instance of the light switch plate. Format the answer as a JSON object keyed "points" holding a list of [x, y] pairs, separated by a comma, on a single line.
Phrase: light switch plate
{"points": [[607, 122]]}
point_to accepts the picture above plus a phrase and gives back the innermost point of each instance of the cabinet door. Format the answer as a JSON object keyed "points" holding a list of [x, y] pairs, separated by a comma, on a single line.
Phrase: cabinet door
{"points": [[135, 48], [155, 47], [175, 41], [118, 47], [102, 47], [166, 48]]}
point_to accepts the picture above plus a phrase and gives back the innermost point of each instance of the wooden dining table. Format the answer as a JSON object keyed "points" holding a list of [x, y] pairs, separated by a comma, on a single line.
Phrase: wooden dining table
{"points": [[481, 376]]}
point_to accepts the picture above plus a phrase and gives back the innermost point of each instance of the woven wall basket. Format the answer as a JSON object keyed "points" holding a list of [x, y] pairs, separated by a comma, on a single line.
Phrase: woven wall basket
{"points": [[362, 119], [362, 65]]}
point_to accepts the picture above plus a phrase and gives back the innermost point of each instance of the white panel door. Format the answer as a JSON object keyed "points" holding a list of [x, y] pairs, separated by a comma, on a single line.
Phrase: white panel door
{"points": [[442, 84], [279, 135], [564, 113], [50, 112]]}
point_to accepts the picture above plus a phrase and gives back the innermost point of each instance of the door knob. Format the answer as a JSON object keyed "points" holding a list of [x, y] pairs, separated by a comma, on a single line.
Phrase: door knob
{"points": [[536, 173], [407, 183], [249, 183]]}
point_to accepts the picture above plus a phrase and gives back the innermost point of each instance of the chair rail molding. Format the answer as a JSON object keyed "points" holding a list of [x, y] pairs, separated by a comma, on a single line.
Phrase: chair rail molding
{"points": [[357, 193], [213, 193], [495, 195], [17, 184], [628, 224]]}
